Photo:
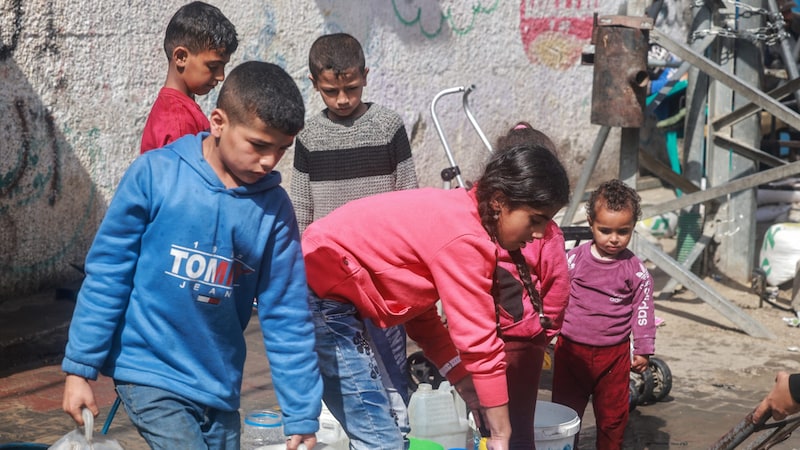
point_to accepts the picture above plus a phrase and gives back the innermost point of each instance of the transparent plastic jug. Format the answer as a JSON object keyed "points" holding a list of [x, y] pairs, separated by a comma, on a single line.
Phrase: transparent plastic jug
{"points": [[434, 416]]}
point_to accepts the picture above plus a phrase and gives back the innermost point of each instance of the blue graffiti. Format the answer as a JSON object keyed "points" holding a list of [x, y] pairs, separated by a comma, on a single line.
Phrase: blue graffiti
{"points": [[266, 34]]}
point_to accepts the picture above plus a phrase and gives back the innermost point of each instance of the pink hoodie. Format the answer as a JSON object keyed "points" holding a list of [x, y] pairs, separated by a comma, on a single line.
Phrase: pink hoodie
{"points": [[395, 255]]}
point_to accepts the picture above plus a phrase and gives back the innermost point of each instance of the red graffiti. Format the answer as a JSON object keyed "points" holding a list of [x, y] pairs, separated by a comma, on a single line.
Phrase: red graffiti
{"points": [[555, 31]]}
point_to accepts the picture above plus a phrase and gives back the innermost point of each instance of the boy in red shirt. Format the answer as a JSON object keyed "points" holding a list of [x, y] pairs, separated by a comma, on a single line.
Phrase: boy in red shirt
{"points": [[199, 42]]}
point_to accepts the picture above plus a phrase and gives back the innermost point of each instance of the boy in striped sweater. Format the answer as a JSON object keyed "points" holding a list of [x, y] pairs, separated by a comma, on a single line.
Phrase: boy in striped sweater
{"points": [[349, 150]]}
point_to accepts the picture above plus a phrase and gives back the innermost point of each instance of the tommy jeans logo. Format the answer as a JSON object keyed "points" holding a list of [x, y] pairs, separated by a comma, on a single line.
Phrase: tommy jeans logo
{"points": [[210, 275]]}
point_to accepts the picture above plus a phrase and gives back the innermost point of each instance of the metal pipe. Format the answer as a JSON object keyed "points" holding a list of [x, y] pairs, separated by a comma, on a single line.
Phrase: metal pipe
{"points": [[786, 48], [747, 91], [439, 130], [471, 118], [586, 173]]}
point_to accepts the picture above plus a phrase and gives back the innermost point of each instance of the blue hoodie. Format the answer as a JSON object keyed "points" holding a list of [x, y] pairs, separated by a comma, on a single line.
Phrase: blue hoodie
{"points": [[170, 282]]}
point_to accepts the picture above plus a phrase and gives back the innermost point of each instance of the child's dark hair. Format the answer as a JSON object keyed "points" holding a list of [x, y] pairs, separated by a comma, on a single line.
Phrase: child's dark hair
{"points": [[338, 52], [199, 27], [523, 133], [615, 196], [262, 90], [526, 175]]}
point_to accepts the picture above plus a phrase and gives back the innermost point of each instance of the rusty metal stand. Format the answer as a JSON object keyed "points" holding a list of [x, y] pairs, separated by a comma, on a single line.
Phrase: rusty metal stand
{"points": [[619, 34]]}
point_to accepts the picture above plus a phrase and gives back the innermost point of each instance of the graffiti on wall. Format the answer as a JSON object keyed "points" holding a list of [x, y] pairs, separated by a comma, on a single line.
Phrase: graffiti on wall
{"points": [[11, 30], [48, 205], [458, 16], [554, 32], [31, 181], [27, 158]]}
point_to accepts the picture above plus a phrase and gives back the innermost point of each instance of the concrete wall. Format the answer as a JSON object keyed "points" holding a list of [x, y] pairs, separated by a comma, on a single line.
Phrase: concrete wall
{"points": [[79, 77]]}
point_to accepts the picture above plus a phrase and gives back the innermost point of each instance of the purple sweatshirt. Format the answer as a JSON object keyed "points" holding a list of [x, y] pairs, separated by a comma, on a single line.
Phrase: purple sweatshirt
{"points": [[608, 300]]}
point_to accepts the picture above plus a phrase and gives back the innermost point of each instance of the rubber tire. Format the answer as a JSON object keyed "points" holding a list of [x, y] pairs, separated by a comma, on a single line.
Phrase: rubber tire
{"points": [[633, 394], [647, 387], [662, 377], [422, 370], [644, 383]]}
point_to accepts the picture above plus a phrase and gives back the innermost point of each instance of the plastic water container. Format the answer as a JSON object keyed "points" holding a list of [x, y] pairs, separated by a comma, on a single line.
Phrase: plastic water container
{"points": [[555, 426], [478, 441], [262, 429], [434, 416], [423, 444], [331, 432]]}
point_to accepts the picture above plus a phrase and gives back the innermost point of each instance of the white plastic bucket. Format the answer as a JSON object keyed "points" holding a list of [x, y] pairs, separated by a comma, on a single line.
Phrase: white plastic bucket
{"points": [[555, 426]]}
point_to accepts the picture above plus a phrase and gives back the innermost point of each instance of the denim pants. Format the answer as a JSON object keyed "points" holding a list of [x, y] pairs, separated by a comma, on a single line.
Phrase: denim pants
{"points": [[353, 386], [171, 422]]}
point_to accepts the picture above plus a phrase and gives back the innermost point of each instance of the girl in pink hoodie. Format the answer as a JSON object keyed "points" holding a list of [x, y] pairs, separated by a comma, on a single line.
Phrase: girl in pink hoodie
{"points": [[391, 257], [529, 296]]}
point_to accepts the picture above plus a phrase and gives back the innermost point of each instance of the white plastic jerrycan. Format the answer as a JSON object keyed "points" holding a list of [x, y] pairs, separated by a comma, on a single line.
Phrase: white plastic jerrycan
{"points": [[438, 415], [331, 432]]}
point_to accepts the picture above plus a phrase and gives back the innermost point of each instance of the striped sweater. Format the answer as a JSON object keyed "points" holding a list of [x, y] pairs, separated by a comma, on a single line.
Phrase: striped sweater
{"points": [[336, 162]]}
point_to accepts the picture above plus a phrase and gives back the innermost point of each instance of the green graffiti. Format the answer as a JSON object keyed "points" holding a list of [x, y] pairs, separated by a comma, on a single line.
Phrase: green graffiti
{"points": [[9, 179], [445, 17], [45, 180], [94, 151], [29, 159]]}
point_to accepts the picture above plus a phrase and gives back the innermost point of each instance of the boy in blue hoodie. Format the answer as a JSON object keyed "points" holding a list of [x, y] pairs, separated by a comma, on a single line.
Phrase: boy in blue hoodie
{"points": [[195, 231]]}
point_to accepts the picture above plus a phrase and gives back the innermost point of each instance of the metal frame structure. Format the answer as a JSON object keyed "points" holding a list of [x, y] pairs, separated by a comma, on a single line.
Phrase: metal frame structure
{"points": [[717, 136]]}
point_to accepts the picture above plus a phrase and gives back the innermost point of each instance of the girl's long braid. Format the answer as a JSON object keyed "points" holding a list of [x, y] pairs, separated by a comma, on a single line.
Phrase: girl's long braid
{"points": [[525, 275]]}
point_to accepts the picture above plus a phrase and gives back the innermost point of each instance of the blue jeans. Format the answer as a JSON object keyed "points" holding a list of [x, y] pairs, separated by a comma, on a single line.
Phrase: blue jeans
{"points": [[171, 422], [390, 351], [353, 387]]}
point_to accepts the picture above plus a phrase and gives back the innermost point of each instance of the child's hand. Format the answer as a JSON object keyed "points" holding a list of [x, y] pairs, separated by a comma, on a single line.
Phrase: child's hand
{"points": [[640, 363], [301, 441], [77, 395], [497, 444]]}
